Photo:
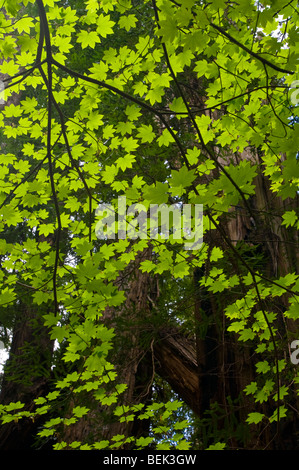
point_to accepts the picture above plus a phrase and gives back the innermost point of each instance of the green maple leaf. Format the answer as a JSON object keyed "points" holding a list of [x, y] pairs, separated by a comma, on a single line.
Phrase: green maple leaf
{"points": [[45, 229], [262, 367], [80, 411], [140, 88], [193, 155], [168, 29], [9, 68], [203, 123], [127, 22], [133, 112], [282, 414], [237, 326], [156, 194], [7, 296], [105, 25], [251, 388], [88, 39], [247, 334], [181, 270], [255, 418], [165, 138], [94, 120], [99, 70], [144, 441], [155, 95], [11, 215], [217, 446], [126, 161], [41, 297], [129, 144], [183, 177], [147, 266], [25, 24], [109, 173], [145, 133], [178, 106], [290, 218], [183, 445], [13, 6], [219, 4], [201, 68], [101, 445]]}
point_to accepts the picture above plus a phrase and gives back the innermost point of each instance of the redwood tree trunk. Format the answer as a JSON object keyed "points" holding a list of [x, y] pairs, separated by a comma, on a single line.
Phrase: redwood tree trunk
{"points": [[26, 377], [132, 362]]}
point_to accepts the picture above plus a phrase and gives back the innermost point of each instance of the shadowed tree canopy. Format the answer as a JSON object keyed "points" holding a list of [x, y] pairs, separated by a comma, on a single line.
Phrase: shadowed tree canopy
{"points": [[149, 224]]}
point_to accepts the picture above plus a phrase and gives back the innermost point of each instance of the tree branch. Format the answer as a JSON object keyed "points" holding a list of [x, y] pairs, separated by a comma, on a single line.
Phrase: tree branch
{"points": [[253, 54]]}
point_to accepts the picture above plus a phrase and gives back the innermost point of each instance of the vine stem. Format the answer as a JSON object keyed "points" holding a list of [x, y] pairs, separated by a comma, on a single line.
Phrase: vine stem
{"points": [[45, 35]]}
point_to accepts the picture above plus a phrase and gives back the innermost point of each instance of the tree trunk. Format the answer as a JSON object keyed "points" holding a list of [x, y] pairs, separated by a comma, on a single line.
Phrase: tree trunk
{"points": [[133, 364], [175, 361], [26, 377]]}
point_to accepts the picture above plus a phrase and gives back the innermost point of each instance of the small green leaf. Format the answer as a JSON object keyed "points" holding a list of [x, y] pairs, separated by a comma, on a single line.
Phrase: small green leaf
{"points": [[262, 367], [247, 334], [182, 178], [290, 218], [251, 388], [156, 194], [178, 106], [183, 445], [80, 411], [255, 418], [88, 39], [101, 445], [217, 446], [282, 414], [146, 134], [127, 22]]}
